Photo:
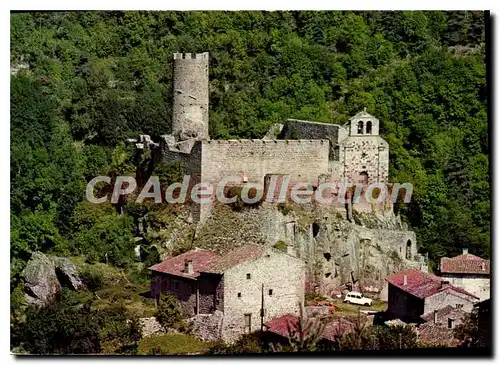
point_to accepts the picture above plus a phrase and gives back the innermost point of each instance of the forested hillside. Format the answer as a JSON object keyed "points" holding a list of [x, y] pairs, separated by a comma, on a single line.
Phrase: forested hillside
{"points": [[81, 82]]}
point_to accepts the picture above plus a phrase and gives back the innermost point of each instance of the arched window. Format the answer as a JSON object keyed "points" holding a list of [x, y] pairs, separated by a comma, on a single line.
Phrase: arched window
{"points": [[369, 127], [408, 250], [360, 127]]}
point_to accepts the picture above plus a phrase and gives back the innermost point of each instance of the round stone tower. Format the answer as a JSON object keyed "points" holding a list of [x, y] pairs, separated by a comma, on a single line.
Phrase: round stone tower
{"points": [[190, 109]]}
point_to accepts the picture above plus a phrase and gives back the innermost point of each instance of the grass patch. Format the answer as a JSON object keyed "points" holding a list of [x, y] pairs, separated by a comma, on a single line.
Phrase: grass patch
{"points": [[172, 344]]}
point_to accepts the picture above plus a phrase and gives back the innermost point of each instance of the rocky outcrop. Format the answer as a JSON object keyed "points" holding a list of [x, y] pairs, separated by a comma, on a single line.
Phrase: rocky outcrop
{"points": [[44, 276], [67, 273], [40, 280], [337, 252]]}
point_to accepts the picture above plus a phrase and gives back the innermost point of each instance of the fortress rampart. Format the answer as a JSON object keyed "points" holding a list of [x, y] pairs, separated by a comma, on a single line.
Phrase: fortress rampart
{"points": [[303, 160]]}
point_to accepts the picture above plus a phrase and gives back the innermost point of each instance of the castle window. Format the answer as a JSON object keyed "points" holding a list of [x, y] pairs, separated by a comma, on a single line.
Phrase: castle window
{"points": [[270, 291], [369, 127], [239, 295], [360, 127], [249, 276]]}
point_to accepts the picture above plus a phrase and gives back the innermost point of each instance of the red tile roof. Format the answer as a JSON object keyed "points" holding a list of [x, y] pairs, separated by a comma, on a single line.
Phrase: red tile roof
{"points": [[282, 325], [422, 285], [437, 335], [443, 314], [175, 265], [208, 261], [465, 264], [235, 257]]}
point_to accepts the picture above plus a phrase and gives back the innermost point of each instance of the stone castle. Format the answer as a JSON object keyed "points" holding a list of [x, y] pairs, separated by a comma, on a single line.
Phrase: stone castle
{"points": [[307, 151], [336, 250]]}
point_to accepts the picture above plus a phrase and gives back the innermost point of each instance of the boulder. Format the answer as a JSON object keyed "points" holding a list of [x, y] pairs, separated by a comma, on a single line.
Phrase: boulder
{"points": [[67, 273], [40, 280]]}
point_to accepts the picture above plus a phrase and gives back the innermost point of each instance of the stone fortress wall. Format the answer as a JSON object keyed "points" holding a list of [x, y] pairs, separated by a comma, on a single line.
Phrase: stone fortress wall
{"points": [[251, 160], [309, 152]]}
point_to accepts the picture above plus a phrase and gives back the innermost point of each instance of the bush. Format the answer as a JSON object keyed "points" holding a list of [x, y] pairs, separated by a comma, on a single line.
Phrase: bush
{"points": [[285, 209], [169, 312], [59, 328], [93, 277], [280, 245]]}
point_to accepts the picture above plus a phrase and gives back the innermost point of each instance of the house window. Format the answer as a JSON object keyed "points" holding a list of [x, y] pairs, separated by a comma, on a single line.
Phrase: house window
{"points": [[175, 285], [451, 323], [239, 295], [248, 323], [270, 291], [249, 276]]}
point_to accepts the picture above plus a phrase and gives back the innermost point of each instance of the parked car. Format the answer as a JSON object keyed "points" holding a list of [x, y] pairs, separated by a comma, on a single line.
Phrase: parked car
{"points": [[357, 298]]}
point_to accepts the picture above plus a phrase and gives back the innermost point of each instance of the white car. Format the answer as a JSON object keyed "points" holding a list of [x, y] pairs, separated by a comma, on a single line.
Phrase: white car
{"points": [[357, 298]]}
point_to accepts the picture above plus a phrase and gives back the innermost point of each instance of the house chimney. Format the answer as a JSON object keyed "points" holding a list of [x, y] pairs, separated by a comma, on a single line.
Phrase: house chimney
{"points": [[483, 266], [435, 316], [405, 279], [465, 251], [188, 267]]}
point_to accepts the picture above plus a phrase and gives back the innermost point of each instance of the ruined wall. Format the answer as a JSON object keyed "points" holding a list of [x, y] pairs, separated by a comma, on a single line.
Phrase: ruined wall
{"points": [[302, 129], [304, 160], [191, 93], [279, 272], [366, 159]]}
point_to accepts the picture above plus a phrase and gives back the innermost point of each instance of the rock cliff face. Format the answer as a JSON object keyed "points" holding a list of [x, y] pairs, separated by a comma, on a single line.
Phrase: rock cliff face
{"points": [[337, 252]]}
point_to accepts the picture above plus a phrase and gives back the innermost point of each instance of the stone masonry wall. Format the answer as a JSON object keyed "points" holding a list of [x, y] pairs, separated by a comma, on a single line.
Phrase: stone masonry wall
{"points": [[185, 292], [448, 297], [281, 273], [477, 285], [301, 129], [365, 155], [211, 293], [191, 93], [303, 160]]}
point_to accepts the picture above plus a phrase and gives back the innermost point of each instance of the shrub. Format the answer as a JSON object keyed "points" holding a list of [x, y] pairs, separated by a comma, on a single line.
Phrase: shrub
{"points": [[93, 277], [280, 245], [285, 209], [169, 312]]}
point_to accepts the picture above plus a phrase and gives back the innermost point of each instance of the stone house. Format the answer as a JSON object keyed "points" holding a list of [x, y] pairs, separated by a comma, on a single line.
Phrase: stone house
{"points": [[413, 293], [279, 329], [438, 326], [468, 272], [239, 284]]}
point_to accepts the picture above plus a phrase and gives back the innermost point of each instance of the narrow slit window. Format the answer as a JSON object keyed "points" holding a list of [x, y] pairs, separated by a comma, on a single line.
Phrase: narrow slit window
{"points": [[249, 276]]}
